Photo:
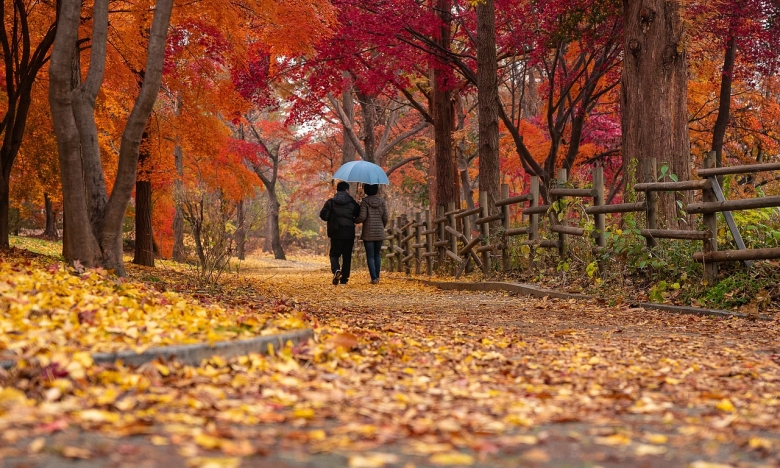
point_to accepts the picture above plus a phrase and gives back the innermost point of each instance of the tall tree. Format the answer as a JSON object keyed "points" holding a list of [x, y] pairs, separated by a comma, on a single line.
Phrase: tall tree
{"points": [[487, 96], [25, 50], [95, 221]]}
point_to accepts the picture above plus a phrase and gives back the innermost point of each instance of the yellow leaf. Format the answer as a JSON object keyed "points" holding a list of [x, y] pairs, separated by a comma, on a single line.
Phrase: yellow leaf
{"points": [[646, 449], [305, 413], [451, 458], [760, 443], [36, 445], [656, 438], [208, 442], [726, 405], [76, 452], [704, 464], [372, 460], [206, 462], [159, 440], [614, 439]]}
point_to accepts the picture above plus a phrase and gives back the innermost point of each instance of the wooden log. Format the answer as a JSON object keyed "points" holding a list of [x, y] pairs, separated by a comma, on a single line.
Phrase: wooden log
{"points": [[441, 243], [485, 250], [673, 186], [429, 250], [512, 200], [516, 231], [536, 210], [466, 213], [616, 208], [418, 243], [731, 205], [505, 224], [453, 255], [453, 212], [485, 227], [545, 244], [440, 219], [489, 219], [407, 238], [408, 258], [737, 255], [598, 201], [428, 231], [398, 249], [453, 225], [746, 169], [710, 244], [572, 192], [648, 172], [455, 233], [407, 225], [428, 255], [466, 248], [675, 234], [570, 230]]}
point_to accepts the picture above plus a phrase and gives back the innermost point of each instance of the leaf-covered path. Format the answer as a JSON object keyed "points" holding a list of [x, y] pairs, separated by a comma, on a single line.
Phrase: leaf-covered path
{"points": [[406, 375]]}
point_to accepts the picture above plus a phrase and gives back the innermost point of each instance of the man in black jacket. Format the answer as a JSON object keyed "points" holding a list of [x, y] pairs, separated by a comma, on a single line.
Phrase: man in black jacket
{"points": [[340, 213]]}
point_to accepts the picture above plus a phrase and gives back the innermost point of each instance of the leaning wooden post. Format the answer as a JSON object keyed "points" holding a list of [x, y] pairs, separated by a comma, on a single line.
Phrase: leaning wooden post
{"points": [[453, 223], [483, 205], [651, 198], [711, 225], [391, 253], [505, 224], [562, 178], [418, 243], [428, 243], [533, 222]]}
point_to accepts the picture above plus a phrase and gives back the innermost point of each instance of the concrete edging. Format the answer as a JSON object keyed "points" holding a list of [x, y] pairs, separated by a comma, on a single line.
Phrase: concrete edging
{"points": [[536, 291], [193, 354]]}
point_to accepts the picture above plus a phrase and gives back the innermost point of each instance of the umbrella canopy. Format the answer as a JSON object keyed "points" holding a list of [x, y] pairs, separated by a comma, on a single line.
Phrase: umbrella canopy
{"points": [[362, 171]]}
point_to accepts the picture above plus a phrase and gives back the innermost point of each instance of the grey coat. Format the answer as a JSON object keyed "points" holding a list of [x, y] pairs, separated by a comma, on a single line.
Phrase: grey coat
{"points": [[373, 215]]}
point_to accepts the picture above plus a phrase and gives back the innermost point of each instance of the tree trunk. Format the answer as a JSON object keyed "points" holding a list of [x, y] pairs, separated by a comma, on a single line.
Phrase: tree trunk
{"points": [[724, 106], [487, 99], [178, 216], [654, 94], [368, 109], [73, 116], [50, 231], [272, 226], [441, 110], [144, 240], [349, 152], [4, 205], [240, 233]]}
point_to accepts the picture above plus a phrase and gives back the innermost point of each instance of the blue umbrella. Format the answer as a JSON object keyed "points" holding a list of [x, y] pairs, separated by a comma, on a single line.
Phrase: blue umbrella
{"points": [[362, 171]]}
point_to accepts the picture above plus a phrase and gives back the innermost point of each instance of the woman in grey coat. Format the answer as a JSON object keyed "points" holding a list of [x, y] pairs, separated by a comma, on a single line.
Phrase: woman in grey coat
{"points": [[373, 215]]}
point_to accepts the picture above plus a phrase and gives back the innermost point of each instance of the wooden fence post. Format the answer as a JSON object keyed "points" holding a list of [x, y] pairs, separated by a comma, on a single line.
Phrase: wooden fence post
{"points": [[429, 243], [441, 235], [392, 254], [452, 222], [562, 178], [651, 198], [418, 243], [483, 204], [598, 200], [711, 225], [533, 221], [505, 224]]}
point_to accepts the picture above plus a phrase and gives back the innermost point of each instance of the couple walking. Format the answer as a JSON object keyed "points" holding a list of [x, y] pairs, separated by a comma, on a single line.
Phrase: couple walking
{"points": [[342, 212]]}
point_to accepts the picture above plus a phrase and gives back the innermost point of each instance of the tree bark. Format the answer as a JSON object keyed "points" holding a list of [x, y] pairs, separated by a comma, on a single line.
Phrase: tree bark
{"points": [[724, 106], [178, 216], [272, 225], [441, 111], [349, 152], [654, 94], [144, 239], [487, 99], [368, 109], [50, 231], [74, 125]]}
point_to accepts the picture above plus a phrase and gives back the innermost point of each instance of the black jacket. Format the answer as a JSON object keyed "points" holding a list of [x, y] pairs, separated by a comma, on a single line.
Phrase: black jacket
{"points": [[340, 213]]}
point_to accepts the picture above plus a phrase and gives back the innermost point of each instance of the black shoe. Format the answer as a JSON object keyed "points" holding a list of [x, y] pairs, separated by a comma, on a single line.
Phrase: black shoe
{"points": [[336, 277]]}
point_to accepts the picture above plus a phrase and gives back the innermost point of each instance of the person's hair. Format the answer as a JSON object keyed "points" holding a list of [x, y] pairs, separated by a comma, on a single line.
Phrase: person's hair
{"points": [[371, 189], [342, 187]]}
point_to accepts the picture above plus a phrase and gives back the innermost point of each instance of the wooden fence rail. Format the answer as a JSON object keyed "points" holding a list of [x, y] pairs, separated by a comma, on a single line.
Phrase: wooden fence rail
{"points": [[478, 237]]}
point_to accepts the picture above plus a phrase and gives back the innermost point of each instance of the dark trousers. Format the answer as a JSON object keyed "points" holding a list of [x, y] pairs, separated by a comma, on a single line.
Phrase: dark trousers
{"points": [[374, 257], [341, 248]]}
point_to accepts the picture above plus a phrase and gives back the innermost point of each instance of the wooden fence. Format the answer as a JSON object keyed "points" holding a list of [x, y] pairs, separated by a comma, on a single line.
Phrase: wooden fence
{"points": [[459, 237]]}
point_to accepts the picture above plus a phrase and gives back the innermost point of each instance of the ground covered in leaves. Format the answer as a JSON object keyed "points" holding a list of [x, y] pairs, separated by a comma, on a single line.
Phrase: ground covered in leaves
{"points": [[404, 375]]}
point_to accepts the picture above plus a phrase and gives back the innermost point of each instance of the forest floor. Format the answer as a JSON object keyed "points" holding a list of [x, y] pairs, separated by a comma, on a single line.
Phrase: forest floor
{"points": [[404, 375]]}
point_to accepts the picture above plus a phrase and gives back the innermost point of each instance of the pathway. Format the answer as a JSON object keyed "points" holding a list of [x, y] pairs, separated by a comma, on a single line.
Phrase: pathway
{"points": [[432, 378]]}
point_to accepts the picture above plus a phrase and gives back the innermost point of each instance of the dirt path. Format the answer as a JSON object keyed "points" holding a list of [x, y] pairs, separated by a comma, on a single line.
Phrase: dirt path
{"points": [[434, 378]]}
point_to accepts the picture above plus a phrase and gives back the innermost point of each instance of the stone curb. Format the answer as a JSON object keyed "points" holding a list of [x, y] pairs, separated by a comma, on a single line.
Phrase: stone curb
{"points": [[193, 354], [536, 291]]}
